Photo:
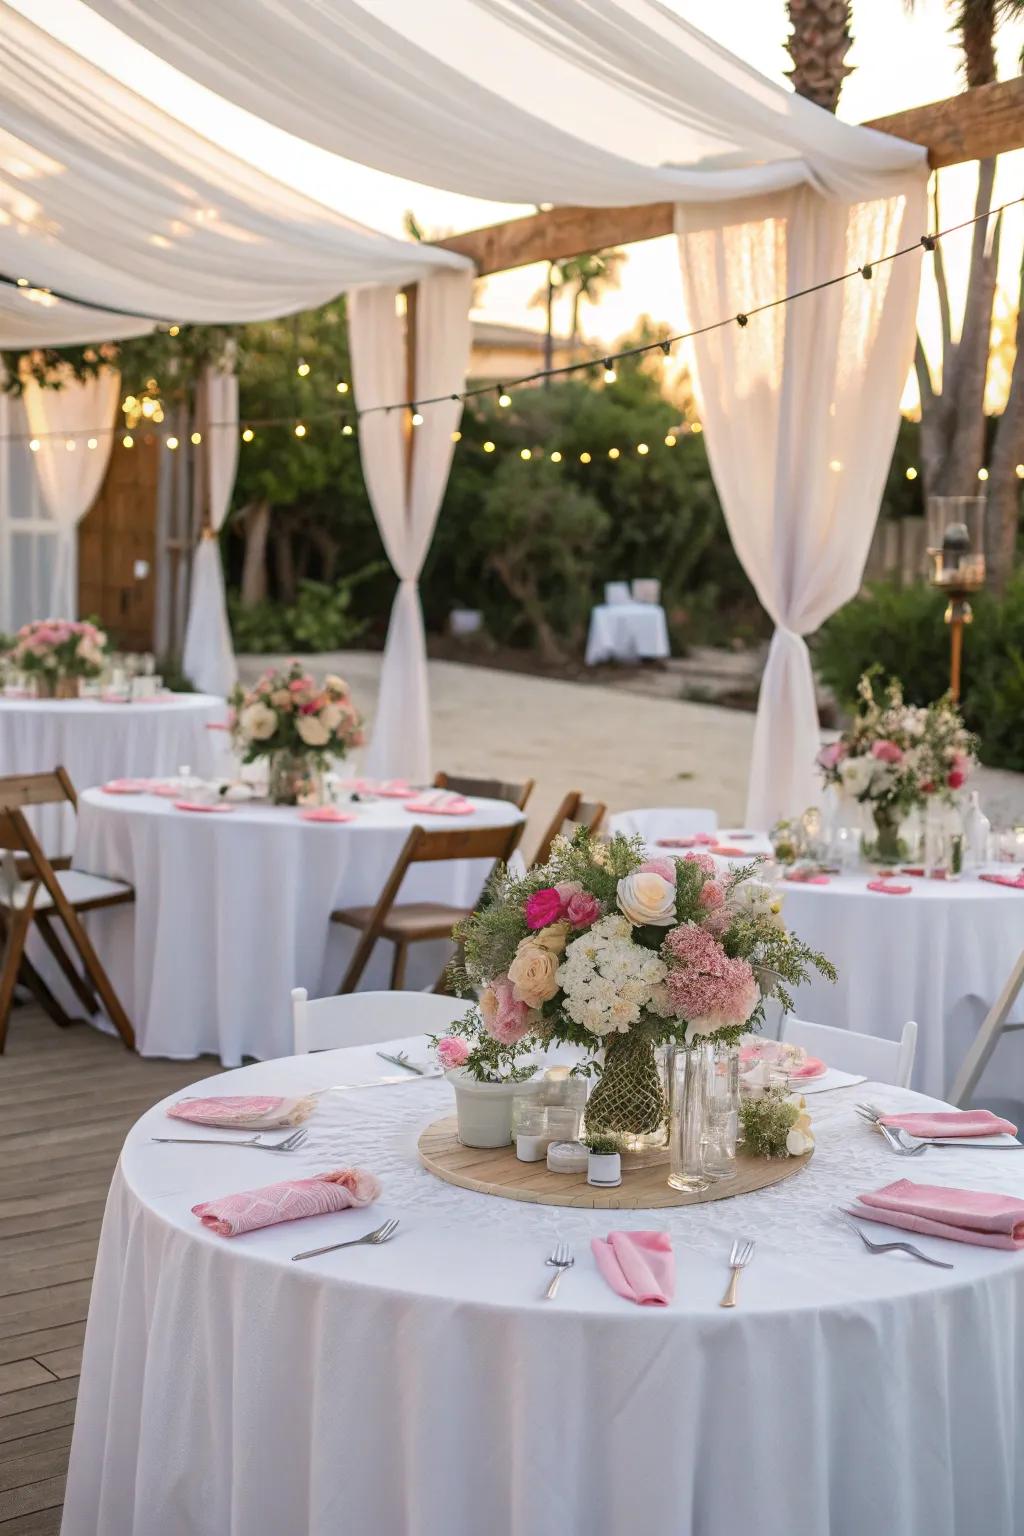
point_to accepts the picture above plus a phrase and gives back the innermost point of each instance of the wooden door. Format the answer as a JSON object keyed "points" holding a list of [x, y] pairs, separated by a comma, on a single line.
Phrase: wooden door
{"points": [[117, 547]]}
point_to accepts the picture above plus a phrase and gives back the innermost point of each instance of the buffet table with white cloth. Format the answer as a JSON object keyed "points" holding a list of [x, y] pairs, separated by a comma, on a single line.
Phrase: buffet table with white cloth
{"points": [[939, 954], [232, 909], [422, 1388], [627, 632], [97, 740]]}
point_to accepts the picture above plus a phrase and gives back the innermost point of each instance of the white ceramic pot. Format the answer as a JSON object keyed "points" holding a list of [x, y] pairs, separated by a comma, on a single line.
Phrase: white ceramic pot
{"points": [[484, 1110], [604, 1169]]}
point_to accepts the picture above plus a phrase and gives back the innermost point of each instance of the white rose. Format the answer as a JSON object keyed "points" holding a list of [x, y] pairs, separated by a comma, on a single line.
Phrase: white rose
{"points": [[757, 899], [798, 1142], [312, 730], [856, 774], [258, 722], [332, 716], [647, 898]]}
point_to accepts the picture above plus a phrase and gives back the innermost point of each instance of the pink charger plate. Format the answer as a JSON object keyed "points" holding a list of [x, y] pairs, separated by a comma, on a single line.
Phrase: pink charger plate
{"points": [[126, 787], [326, 813], [197, 805]]}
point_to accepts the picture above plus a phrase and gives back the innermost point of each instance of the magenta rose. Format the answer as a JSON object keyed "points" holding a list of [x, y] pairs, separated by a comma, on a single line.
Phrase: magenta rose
{"points": [[582, 909], [452, 1052], [957, 778], [887, 752], [543, 907]]}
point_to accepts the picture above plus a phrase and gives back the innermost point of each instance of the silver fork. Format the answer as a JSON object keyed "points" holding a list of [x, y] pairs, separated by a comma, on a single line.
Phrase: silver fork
{"points": [[893, 1247], [380, 1235], [739, 1258], [289, 1144], [561, 1260], [892, 1140]]}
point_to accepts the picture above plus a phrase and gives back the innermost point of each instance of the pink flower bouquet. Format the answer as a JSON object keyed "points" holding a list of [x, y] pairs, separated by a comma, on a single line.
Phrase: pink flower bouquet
{"points": [[55, 649], [289, 716]]}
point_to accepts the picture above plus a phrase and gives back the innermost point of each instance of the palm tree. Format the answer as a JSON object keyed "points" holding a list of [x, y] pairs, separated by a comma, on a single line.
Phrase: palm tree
{"points": [[585, 279], [818, 45]]}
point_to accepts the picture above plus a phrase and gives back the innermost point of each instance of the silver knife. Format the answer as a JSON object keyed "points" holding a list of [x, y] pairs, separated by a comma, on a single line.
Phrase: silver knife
{"points": [[401, 1061]]}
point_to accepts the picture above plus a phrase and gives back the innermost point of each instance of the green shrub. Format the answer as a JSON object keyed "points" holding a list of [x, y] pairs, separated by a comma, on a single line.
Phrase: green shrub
{"points": [[320, 619]]}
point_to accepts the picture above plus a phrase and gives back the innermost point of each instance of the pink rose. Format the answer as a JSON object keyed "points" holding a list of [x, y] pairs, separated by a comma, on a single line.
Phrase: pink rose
{"points": [[582, 909], [887, 752], [712, 895], [832, 755], [505, 1019], [543, 907], [452, 1052], [664, 867]]}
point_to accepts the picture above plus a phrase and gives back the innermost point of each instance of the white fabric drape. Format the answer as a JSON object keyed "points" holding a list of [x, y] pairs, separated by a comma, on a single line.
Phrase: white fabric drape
{"points": [[108, 199], [406, 505], [800, 410], [66, 420], [599, 102], [208, 657]]}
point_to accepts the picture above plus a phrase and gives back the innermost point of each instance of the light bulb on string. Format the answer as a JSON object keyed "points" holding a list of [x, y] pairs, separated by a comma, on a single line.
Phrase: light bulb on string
{"points": [[613, 453], [982, 474], [670, 440], [346, 430], [609, 371], [525, 453], [302, 368], [911, 472], [1020, 471], [504, 399], [172, 443], [456, 437], [196, 438], [341, 387], [248, 435], [556, 457], [488, 447], [70, 445], [417, 419], [92, 443], [34, 445], [128, 441], [584, 458], [642, 448], [300, 429], [697, 428]]}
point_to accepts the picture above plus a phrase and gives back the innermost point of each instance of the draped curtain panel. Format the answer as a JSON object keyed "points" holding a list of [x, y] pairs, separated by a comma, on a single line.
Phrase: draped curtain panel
{"points": [[800, 410], [208, 658], [406, 504], [65, 420]]}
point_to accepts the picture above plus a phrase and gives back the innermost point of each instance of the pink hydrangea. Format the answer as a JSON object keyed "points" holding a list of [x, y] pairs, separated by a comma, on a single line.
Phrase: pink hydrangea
{"points": [[666, 868], [505, 1018], [712, 895], [582, 909], [543, 907], [452, 1052], [703, 861], [887, 752], [705, 987]]}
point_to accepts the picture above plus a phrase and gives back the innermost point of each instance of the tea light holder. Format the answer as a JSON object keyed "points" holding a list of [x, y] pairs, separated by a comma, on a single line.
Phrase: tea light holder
{"points": [[956, 546]]}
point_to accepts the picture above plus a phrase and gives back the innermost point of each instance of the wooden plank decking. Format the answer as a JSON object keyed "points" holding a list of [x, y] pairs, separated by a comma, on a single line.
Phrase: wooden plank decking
{"points": [[67, 1100]]}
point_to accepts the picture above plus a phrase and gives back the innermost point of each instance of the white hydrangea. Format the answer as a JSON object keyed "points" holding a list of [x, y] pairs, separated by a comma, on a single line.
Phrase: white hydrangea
{"points": [[608, 980]]}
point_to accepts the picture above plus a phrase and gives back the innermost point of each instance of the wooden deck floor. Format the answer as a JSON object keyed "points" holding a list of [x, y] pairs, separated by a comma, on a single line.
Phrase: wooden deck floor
{"points": [[67, 1100]]}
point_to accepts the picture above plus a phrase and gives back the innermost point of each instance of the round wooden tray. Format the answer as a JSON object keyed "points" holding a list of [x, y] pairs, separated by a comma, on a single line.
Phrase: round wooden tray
{"points": [[497, 1171]]}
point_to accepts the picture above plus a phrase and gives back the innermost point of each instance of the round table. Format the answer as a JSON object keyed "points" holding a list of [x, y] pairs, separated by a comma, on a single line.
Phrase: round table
{"points": [[423, 1386], [96, 741], [232, 910], [939, 955], [627, 632]]}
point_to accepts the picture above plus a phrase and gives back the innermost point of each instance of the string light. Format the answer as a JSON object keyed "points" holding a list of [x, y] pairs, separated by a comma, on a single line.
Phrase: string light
{"points": [[417, 419], [642, 448], [22, 282], [175, 330], [92, 443], [835, 465], [128, 441], [302, 368], [70, 445], [300, 430], [504, 400], [341, 387], [488, 447], [346, 430], [525, 453], [982, 474], [613, 453], [248, 435], [1020, 471], [609, 372], [556, 457], [584, 458], [456, 437], [34, 445], [911, 473], [670, 440], [172, 443], [196, 438], [696, 427]]}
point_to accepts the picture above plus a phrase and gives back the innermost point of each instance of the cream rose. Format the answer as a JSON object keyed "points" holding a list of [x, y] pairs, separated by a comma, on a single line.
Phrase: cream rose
{"points": [[533, 973], [312, 730], [281, 698], [552, 938], [258, 722], [647, 898], [332, 716]]}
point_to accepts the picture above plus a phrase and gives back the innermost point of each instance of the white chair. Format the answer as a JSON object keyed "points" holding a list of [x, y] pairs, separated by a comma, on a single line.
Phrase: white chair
{"points": [[995, 1023], [646, 589], [883, 1061], [616, 593], [367, 1018], [663, 821]]}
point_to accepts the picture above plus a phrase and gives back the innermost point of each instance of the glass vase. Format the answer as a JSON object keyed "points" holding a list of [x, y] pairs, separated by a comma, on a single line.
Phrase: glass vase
{"points": [[887, 847], [689, 1077], [723, 1113], [293, 778], [628, 1104]]}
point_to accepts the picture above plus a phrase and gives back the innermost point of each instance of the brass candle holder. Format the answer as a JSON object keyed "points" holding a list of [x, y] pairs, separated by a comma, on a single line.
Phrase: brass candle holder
{"points": [[956, 547]]}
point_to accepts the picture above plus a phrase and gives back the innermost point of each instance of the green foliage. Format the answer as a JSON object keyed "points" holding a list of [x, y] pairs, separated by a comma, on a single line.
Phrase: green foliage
{"points": [[320, 619], [767, 1122], [901, 630], [601, 1146], [489, 1061]]}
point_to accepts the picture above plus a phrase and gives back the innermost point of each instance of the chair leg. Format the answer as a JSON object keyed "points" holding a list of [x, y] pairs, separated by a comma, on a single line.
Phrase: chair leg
{"points": [[987, 1038], [17, 926], [78, 984], [357, 965], [98, 977], [398, 965], [43, 996]]}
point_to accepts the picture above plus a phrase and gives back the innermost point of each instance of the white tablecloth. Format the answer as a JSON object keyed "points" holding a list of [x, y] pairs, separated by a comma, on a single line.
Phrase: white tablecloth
{"points": [[939, 955], [233, 909], [627, 632], [95, 742], [424, 1389]]}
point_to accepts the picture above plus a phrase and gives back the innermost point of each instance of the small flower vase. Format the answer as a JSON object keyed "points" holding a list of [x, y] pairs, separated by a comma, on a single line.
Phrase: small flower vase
{"points": [[68, 687], [887, 847], [689, 1078], [45, 685], [484, 1110], [628, 1105], [292, 778], [604, 1170]]}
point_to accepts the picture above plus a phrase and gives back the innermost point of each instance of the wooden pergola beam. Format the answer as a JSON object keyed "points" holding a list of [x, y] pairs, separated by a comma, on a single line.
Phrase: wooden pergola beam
{"points": [[979, 123]]}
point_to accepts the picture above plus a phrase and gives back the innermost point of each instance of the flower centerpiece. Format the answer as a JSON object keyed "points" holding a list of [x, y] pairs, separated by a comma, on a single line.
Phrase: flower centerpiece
{"points": [[298, 725], [606, 949], [896, 756], [58, 653]]}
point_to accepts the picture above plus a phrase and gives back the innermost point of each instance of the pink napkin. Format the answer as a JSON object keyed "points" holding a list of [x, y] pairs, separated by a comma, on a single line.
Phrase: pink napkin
{"points": [[1015, 884], [198, 805], [168, 791], [725, 852], [886, 888], [217, 725], [389, 789], [245, 1112], [440, 802], [964, 1215], [812, 1067], [639, 1266], [696, 839], [801, 877], [326, 813], [292, 1198], [126, 787], [952, 1122]]}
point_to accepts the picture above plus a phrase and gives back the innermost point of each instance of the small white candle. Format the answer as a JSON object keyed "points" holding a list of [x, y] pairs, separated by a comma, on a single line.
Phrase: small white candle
{"points": [[567, 1157], [531, 1149]]}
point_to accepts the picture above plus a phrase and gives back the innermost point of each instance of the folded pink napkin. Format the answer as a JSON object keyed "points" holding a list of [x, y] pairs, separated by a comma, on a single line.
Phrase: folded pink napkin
{"points": [[696, 839], [1014, 883], [326, 813], [217, 725], [245, 1112], [887, 888], [724, 851], [126, 787], [440, 802], [168, 791], [812, 1067], [964, 1215], [292, 1198], [805, 877], [952, 1122], [389, 789], [199, 805], [639, 1266]]}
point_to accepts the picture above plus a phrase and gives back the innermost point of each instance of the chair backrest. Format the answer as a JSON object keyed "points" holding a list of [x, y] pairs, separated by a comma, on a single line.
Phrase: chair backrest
{"points": [[883, 1061], [664, 821], [486, 789], [573, 812], [646, 589], [19, 789], [368, 1018], [616, 593]]}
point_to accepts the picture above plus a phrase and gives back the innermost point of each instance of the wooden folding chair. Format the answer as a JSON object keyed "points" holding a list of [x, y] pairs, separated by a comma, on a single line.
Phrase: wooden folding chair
{"points": [[414, 922], [573, 812], [985, 1041], [487, 789], [33, 891]]}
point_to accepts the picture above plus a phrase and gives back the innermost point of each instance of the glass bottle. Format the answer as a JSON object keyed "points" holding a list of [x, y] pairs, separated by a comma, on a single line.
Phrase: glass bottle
{"points": [[977, 831], [723, 1113], [689, 1074]]}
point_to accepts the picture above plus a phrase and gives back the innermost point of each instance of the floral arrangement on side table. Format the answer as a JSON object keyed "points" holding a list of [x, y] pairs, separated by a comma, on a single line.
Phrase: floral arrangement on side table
{"points": [[896, 756], [298, 724], [606, 949], [58, 653]]}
